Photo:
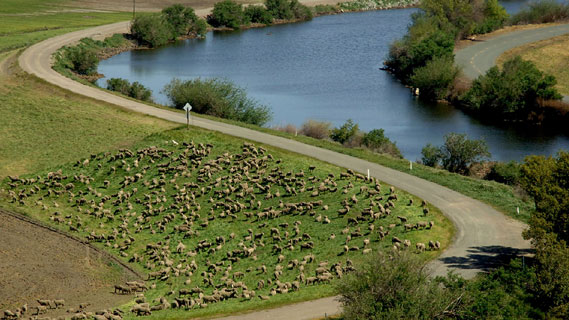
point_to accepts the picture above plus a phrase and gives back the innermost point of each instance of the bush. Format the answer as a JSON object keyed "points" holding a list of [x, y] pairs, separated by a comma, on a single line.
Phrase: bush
{"points": [[258, 14], [220, 98], [289, 128], [321, 9], [227, 13], [376, 141], [300, 11], [544, 11], [431, 155], [119, 85], [82, 60], [140, 92], [345, 132], [392, 287], [135, 90], [512, 93], [456, 154], [152, 29], [316, 129], [494, 17], [279, 9], [508, 173], [184, 20], [435, 78]]}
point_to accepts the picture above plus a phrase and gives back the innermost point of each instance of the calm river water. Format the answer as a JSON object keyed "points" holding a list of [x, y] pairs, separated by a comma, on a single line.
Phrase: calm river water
{"points": [[328, 70]]}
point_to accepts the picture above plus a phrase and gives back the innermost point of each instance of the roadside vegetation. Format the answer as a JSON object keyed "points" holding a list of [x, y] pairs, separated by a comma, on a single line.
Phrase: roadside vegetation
{"points": [[544, 11], [219, 98], [527, 288], [134, 90], [225, 224]]}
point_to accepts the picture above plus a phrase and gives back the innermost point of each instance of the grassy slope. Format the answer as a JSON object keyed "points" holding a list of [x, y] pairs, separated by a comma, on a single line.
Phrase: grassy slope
{"points": [[550, 55], [42, 125], [324, 249]]}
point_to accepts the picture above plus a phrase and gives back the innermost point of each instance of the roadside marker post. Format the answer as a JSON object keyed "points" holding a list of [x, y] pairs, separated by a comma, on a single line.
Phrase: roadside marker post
{"points": [[368, 174], [410, 165], [188, 108]]}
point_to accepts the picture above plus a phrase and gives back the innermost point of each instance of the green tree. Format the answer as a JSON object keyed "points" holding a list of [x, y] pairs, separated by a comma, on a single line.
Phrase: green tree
{"points": [[140, 92], [119, 85], [392, 287], [184, 20], [217, 97], [377, 141], [227, 13], [83, 60], [435, 78], [280, 9], [152, 29], [458, 152], [300, 11], [258, 14], [511, 93], [345, 132], [431, 155]]}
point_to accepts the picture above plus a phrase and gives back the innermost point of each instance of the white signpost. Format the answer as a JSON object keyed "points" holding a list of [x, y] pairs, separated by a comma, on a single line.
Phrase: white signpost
{"points": [[188, 108]]}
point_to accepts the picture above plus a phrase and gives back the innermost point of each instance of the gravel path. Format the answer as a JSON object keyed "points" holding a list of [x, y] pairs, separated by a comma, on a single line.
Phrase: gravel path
{"points": [[482, 233], [478, 58]]}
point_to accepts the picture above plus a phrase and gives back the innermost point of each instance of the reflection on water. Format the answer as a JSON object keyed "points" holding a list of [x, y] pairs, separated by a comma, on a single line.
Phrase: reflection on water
{"points": [[326, 69]]}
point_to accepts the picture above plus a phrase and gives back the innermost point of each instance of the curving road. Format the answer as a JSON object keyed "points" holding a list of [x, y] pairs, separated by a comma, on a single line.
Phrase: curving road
{"points": [[482, 233], [478, 58]]}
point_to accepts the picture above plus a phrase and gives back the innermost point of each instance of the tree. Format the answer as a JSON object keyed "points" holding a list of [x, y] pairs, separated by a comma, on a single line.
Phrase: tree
{"points": [[152, 29], [280, 9], [345, 132], [83, 60], [435, 78], [511, 93], [458, 152], [392, 287], [184, 20], [258, 14], [431, 155], [227, 13], [377, 141]]}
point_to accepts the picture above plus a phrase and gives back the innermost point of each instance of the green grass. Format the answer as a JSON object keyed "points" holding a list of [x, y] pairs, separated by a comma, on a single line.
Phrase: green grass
{"points": [[29, 6], [42, 125], [230, 174]]}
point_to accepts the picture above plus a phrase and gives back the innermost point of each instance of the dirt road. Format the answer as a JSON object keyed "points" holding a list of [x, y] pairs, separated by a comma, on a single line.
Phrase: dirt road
{"points": [[482, 233], [478, 58]]}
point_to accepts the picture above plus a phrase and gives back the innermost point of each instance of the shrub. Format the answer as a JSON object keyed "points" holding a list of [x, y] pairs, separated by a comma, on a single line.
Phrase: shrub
{"points": [[376, 141], [227, 13], [135, 90], [140, 92], [542, 12], [458, 152], [258, 14], [512, 93], [345, 132], [316, 129], [435, 78], [494, 17], [508, 173], [152, 29], [300, 11], [431, 155], [82, 60], [119, 85], [321, 9], [279, 9], [184, 20], [289, 128], [392, 287], [220, 98]]}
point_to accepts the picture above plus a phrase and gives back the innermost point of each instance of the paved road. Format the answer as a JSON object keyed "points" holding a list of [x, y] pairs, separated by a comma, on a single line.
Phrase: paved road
{"points": [[482, 233], [478, 58]]}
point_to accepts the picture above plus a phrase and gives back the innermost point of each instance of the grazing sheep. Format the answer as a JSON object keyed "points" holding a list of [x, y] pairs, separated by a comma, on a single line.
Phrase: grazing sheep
{"points": [[59, 303], [420, 246]]}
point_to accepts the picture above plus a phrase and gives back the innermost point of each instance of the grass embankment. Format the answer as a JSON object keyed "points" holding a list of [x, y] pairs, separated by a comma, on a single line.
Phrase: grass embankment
{"points": [[188, 194], [550, 55]]}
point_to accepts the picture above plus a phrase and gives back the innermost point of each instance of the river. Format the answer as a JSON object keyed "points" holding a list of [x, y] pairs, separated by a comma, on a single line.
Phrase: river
{"points": [[327, 69]]}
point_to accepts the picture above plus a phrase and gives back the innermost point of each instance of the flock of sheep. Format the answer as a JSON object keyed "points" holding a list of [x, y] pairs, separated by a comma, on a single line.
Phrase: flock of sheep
{"points": [[210, 226]]}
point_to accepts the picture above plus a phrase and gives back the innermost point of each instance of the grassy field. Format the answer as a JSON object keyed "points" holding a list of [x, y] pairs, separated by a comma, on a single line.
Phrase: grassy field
{"points": [[550, 55], [42, 125], [217, 186]]}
